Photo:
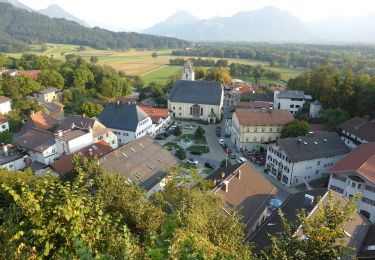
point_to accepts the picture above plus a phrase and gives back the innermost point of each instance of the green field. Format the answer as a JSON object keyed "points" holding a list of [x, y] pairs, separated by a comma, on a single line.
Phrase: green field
{"points": [[139, 62]]}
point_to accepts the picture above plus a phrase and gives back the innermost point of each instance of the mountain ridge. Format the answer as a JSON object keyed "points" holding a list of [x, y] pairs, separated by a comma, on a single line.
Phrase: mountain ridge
{"points": [[56, 11]]}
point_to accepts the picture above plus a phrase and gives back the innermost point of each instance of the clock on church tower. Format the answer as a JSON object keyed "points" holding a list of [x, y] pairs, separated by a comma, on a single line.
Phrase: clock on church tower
{"points": [[188, 71]]}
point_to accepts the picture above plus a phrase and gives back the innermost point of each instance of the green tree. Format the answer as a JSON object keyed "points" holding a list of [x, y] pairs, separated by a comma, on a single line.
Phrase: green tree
{"points": [[51, 78], [154, 55], [323, 232], [89, 109], [181, 154], [200, 72], [334, 117], [177, 131], [94, 59], [199, 134], [295, 128], [219, 74], [6, 137], [225, 163]]}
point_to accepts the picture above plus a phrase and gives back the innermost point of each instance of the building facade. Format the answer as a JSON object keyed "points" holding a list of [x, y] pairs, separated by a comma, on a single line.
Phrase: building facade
{"points": [[315, 109], [5, 105], [290, 100], [356, 174], [252, 129], [188, 72], [299, 160], [357, 131]]}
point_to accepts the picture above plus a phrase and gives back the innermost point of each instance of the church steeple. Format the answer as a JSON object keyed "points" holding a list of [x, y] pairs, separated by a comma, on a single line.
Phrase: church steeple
{"points": [[188, 71]]}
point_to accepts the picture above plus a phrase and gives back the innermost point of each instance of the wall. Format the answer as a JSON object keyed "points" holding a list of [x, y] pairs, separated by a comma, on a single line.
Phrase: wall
{"points": [[4, 127], [15, 165], [285, 103], [144, 127], [182, 110], [5, 107], [80, 142], [109, 138]]}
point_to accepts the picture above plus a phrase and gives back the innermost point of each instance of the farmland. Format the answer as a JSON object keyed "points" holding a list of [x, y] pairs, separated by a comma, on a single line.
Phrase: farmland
{"points": [[138, 62]]}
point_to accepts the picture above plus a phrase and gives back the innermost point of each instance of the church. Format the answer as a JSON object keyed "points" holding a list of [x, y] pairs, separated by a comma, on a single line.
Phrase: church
{"points": [[196, 100]]}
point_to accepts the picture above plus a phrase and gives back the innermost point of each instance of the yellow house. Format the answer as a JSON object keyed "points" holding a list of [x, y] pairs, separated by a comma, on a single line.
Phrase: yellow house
{"points": [[47, 95], [252, 129], [197, 100]]}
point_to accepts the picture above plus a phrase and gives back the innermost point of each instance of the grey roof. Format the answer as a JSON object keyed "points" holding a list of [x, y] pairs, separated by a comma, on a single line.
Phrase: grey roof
{"points": [[13, 155], [360, 127], [290, 208], [313, 146], [258, 96], [122, 116], [36, 140], [48, 90], [143, 161], [293, 94], [196, 92]]}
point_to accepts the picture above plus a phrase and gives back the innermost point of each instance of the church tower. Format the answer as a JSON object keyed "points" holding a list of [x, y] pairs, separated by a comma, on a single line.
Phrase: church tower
{"points": [[188, 71]]}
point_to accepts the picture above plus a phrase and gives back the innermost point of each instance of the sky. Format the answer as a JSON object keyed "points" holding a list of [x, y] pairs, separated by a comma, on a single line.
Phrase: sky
{"points": [[141, 14]]}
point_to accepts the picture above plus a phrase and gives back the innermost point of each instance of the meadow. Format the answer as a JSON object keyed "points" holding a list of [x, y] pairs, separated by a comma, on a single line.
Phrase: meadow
{"points": [[138, 62]]}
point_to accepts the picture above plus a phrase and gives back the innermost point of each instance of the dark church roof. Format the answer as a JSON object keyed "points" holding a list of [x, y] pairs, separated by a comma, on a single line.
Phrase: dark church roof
{"points": [[196, 92]]}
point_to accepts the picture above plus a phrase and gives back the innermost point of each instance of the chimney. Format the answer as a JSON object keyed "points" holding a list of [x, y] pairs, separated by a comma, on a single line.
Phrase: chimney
{"points": [[118, 102], [223, 175], [309, 200], [90, 152], [59, 133], [239, 173], [226, 185], [73, 126], [27, 161], [32, 112], [5, 148]]}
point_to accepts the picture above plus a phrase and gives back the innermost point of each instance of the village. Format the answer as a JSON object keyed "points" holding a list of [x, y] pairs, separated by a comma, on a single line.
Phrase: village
{"points": [[206, 128]]}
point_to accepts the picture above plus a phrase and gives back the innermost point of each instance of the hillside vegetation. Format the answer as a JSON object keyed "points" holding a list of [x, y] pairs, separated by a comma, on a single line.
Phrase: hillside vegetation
{"points": [[18, 28]]}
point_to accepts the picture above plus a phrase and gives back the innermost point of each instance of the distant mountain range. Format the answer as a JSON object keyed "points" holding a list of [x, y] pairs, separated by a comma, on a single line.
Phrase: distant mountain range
{"points": [[266, 24], [55, 11]]}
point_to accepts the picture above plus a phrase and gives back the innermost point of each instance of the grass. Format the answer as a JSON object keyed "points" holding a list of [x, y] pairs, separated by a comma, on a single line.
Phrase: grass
{"points": [[134, 62], [171, 146], [186, 136], [188, 166], [199, 149]]}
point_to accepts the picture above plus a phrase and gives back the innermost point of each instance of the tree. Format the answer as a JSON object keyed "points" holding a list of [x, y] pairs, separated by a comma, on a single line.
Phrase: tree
{"points": [[94, 59], [219, 74], [177, 131], [51, 78], [89, 109], [200, 72], [322, 233], [181, 154], [154, 55], [295, 128], [225, 163], [334, 117], [6, 137], [199, 134]]}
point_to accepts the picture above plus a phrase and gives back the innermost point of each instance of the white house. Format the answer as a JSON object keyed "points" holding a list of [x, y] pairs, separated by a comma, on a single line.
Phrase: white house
{"points": [[127, 121], [160, 118], [12, 159], [357, 131], [40, 145], [356, 174], [99, 131], [5, 105], [72, 140], [4, 124], [315, 109], [298, 160], [290, 100]]}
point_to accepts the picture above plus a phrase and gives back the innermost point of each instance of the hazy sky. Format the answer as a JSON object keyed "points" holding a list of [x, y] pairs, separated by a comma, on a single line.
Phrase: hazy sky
{"points": [[144, 13]]}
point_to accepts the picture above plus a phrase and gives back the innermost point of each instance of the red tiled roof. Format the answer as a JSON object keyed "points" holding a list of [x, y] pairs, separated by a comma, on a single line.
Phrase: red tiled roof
{"points": [[40, 120], [245, 88], [247, 117], [34, 74], [155, 113], [64, 164], [254, 104], [3, 119], [361, 160]]}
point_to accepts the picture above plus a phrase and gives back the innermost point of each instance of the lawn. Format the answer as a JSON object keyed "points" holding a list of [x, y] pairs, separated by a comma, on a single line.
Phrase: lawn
{"points": [[171, 146], [199, 149], [161, 74], [188, 166], [186, 137]]}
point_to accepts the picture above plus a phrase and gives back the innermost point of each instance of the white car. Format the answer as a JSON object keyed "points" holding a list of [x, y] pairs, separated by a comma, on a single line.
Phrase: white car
{"points": [[192, 161], [241, 160], [221, 141], [190, 127]]}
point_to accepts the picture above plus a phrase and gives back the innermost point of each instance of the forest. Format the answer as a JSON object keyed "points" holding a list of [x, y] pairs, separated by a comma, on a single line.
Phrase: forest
{"points": [[19, 28]]}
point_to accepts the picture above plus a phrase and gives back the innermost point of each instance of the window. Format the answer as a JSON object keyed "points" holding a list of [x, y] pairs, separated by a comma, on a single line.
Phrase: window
{"points": [[254, 139], [353, 184], [368, 201], [269, 139], [179, 108], [317, 171], [285, 179], [278, 130], [359, 186], [255, 129], [191, 110], [318, 163], [291, 106], [262, 139], [297, 106], [337, 189], [271, 129], [3, 126], [370, 188], [201, 111], [100, 137], [247, 129], [247, 139], [179, 114], [263, 129], [174, 108]]}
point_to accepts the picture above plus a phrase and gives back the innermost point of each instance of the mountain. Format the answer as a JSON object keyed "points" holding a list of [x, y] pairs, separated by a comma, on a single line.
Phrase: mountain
{"points": [[19, 27], [266, 24], [55, 11], [17, 4]]}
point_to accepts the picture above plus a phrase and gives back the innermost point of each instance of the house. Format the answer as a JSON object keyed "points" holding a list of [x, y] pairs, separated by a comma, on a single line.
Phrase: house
{"points": [[367, 250], [290, 100], [34, 74], [40, 120], [355, 229], [245, 189], [263, 97], [357, 131], [99, 131], [356, 174], [188, 72], [127, 121], [315, 109], [11, 72], [5, 105], [254, 105], [4, 124], [160, 118], [55, 109], [298, 160], [47, 95], [12, 159], [71, 140], [143, 161], [64, 164], [40, 146], [197, 100], [252, 129]]}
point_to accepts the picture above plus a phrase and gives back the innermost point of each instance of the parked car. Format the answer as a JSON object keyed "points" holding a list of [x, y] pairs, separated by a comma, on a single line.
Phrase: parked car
{"points": [[196, 152], [192, 161], [241, 160], [209, 165], [221, 141], [189, 127], [224, 146], [203, 122], [232, 156], [218, 128], [218, 134], [160, 137], [227, 135]]}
